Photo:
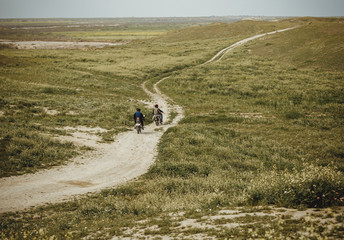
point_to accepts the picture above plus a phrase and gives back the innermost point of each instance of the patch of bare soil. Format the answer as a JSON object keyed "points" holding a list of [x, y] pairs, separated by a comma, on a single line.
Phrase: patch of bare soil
{"points": [[251, 115], [83, 136], [55, 45], [50, 111], [67, 26], [237, 220]]}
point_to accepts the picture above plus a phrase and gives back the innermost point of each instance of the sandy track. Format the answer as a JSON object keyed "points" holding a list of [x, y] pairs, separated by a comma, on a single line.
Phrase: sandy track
{"points": [[224, 51], [129, 156]]}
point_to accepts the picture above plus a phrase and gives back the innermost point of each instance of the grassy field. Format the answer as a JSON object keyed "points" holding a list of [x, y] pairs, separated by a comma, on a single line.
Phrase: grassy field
{"points": [[92, 87], [263, 127]]}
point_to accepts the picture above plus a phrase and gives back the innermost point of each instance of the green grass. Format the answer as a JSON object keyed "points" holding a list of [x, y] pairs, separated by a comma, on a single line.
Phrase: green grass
{"points": [[220, 30], [258, 117], [257, 130], [123, 35], [317, 45]]}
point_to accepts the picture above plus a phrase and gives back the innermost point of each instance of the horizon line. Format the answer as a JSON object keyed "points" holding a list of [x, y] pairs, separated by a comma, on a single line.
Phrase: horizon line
{"points": [[211, 16]]}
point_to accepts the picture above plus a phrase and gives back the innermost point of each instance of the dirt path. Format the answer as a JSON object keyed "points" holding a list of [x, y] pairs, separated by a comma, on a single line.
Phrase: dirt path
{"points": [[224, 51], [129, 156]]}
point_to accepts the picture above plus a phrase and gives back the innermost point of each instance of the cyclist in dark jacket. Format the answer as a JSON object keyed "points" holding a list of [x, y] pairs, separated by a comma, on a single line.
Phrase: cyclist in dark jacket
{"points": [[139, 115]]}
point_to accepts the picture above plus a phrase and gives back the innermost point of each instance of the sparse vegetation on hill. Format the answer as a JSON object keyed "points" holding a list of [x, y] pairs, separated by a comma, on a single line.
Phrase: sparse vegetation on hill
{"points": [[263, 126], [220, 31], [278, 118], [317, 45]]}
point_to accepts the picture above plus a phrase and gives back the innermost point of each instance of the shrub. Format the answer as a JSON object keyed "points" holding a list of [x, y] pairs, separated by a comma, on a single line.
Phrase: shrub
{"points": [[314, 186], [183, 170], [293, 115]]}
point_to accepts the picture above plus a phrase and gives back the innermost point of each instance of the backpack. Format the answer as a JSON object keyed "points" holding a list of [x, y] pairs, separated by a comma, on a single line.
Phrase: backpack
{"points": [[156, 111]]}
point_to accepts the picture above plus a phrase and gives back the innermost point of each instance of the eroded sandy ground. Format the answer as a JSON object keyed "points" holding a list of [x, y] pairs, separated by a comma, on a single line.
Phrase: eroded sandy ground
{"points": [[236, 220], [55, 45]]}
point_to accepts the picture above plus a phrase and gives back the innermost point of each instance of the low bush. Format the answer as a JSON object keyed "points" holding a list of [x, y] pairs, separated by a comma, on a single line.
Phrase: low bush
{"points": [[313, 186], [183, 170], [293, 114]]}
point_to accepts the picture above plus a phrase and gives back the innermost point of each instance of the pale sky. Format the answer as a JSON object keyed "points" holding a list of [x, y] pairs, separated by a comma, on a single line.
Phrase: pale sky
{"points": [[167, 8]]}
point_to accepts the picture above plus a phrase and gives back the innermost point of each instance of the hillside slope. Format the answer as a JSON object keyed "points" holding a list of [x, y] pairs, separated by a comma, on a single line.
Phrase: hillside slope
{"points": [[319, 43], [224, 30]]}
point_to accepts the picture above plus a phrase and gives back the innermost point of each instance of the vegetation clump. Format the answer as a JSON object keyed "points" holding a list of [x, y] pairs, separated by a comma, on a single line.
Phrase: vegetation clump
{"points": [[313, 186]]}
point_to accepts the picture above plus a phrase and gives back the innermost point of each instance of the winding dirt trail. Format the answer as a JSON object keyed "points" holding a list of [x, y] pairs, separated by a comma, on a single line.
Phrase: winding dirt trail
{"points": [[129, 156], [224, 51]]}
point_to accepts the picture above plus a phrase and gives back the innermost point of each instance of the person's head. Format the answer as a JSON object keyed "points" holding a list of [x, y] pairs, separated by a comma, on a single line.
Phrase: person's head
{"points": [[156, 105], [138, 109]]}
